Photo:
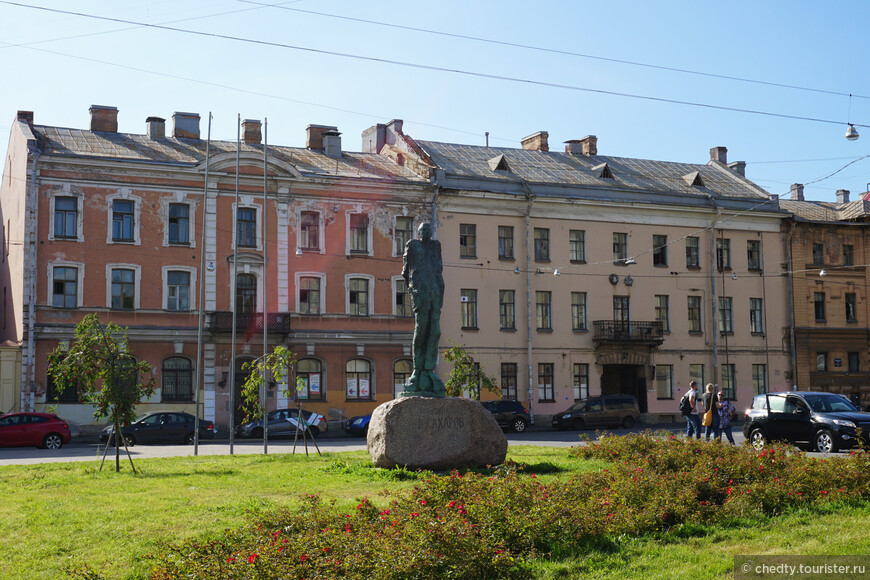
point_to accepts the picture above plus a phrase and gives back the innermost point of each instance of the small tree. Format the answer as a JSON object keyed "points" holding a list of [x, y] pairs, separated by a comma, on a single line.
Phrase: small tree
{"points": [[467, 374], [110, 378], [276, 364]]}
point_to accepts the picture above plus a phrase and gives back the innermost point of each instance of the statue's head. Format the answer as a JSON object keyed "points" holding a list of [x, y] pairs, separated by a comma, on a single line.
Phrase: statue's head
{"points": [[424, 232]]}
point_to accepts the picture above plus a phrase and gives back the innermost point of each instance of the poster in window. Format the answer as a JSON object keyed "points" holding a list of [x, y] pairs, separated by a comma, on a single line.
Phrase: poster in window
{"points": [[351, 389], [302, 387], [363, 388], [314, 385]]}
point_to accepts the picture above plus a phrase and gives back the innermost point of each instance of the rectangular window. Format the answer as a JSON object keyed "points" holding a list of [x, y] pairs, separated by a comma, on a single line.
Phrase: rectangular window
{"points": [[726, 315], [662, 311], [309, 226], [728, 382], [543, 310], [753, 254], [179, 223], [854, 362], [404, 307], [756, 315], [819, 306], [358, 296], [664, 381], [759, 379], [851, 307], [546, 390], [821, 361], [507, 309], [693, 252], [123, 220], [403, 234], [723, 253], [620, 308], [506, 242], [578, 311], [65, 217], [123, 289], [696, 373], [65, 287], [542, 244], [246, 227], [694, 306], [620, 248], [359, 233], [467, 241], [660, 250], [577, 245], [178, 290], [818, 254], [309, 295], [581, 381], [509, 381], [848, 254], [468, 302]]}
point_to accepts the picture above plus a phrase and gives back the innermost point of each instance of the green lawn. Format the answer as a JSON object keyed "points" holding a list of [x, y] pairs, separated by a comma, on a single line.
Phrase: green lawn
{"points": [[57, 516]]}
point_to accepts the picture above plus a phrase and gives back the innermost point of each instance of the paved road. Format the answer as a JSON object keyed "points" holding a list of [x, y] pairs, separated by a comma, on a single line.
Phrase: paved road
{"points": [[87, 449]]}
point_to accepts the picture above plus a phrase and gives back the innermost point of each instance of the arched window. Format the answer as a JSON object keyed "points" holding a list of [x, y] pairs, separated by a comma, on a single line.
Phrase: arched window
{"points": [[309, 379], [402, 369], [358, 380], [177, 379], [246, 294]]}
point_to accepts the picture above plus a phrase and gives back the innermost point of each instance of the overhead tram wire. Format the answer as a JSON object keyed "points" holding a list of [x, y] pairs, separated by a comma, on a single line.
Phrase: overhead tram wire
{"points": [[434, 67]]}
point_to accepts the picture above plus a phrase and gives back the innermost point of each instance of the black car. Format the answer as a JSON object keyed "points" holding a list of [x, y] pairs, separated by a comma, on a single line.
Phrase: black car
{"points": [[510, 415], [161, 427], [824, 422]]}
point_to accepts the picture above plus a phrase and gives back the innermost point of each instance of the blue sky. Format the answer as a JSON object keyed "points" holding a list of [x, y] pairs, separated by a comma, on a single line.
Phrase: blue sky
{"points": [[57, 65]]}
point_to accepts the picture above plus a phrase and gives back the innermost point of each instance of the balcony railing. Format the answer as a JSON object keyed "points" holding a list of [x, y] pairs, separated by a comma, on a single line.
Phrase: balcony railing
{"points": [[619, 331], [223, 322]]}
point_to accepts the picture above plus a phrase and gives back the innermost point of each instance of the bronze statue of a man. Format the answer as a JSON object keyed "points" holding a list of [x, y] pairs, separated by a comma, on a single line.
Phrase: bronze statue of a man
{"points": [[421, 270]]}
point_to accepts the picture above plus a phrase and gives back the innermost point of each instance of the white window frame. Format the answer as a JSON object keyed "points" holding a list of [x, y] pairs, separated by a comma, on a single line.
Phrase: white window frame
{"points": [[297, 279], [181, 199], [80, 280], [247, 202], [393, 282], [321, 231], [347, 236], [165, 274], [137, 283], [124, 194], [66, 192], [398, 251], [371, 293]]}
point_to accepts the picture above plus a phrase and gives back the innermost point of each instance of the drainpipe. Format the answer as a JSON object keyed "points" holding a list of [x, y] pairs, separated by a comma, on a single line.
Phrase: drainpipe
{"points": [[715, 314], [33, 201], [791, 309], [529, 249]]}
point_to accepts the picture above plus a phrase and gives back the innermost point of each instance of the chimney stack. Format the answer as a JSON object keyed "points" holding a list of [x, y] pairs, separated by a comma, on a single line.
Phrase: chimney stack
{"points": [[739, 167], [797, 191], [536, 141], [332, 144], [842, 196], [719, 154], [252, 132], [104, 119], [185, 125], [314, 135], [374, 138], [26, 116], [588, 145], [155, 127]]}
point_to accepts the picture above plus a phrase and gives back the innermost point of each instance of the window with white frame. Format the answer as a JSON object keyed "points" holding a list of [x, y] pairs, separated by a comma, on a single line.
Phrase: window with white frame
{"points": [[309, 379], [178, 288], [246, 227], [246, 294], [402, 370], [124, 215], [581, 381], [310, 294], [179, 223], [66, 217], [177, 379], [309, 231], [123, 286], [358, 294], [358, 233], [358, 375], [403, 232], [664, 381], [468, 307], [65, 284], [402, 298]]}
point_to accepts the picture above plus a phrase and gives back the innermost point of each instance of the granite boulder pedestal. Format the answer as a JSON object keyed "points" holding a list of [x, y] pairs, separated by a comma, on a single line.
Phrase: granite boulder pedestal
{"points": [[435, 433]]}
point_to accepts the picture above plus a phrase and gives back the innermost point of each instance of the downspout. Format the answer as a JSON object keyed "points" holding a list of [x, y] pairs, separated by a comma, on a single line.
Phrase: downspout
{"points": [[714, 314], [31, 307], [529, 249], [791, 308]]}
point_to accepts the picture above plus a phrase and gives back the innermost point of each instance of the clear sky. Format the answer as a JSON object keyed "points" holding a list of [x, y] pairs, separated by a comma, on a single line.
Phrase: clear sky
{"points": [[601, 68]]}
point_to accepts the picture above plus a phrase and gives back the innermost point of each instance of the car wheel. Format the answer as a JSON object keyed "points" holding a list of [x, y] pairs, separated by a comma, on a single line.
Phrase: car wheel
{"points": [[825, 442], [628, 422], [313, 430], [578, 424], [257, 432], [188, 439], [757, 439], [52, 441], [519, 425]]}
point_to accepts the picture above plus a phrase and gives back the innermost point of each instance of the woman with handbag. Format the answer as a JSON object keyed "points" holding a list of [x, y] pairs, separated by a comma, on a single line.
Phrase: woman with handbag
{"points": [[727, 413], [711, 413]]}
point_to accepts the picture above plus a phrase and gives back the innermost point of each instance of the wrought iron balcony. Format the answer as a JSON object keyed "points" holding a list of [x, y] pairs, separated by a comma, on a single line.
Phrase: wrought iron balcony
{"points": [[223, 322], [620, 331]]}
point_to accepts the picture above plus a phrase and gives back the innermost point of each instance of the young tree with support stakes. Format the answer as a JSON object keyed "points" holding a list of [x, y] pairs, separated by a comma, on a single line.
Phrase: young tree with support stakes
{"points": [[110, 378], [467, 374]]}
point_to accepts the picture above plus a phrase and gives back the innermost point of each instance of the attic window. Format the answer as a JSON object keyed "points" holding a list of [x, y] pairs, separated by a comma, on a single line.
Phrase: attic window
{"points": [[499, 163], [694, 179], [603, 171]]}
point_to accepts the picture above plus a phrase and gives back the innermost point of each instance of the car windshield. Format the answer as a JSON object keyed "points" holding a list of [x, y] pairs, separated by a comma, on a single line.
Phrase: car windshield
{"points": [[578, 406], [828, 403]]}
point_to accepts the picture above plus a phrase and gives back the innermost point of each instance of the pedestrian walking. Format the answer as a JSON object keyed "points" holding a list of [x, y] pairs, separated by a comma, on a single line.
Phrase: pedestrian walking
{"points": [[710, 401], [693, 420], [727, 413]]}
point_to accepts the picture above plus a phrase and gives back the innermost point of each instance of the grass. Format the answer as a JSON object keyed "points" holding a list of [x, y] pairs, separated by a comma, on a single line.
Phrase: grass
{"points": [[57, 516]]}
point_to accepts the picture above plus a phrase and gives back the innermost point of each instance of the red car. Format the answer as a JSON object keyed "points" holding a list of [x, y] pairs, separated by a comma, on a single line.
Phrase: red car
{"points": [[36, 429]]}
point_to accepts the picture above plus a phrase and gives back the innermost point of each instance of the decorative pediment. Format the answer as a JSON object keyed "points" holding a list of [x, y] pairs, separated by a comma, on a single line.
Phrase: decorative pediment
{"points": [[250, 163]]}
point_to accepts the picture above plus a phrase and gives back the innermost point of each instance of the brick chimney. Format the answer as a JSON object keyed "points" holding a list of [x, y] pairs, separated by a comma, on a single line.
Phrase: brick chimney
{"points": [[185, 125], [719, 154], [26, 116], [252, 132], [155, 127], [739, 167], [842, 196], [314, 135], [536, 141], [332, 144], [797, 191], [104, 119]]}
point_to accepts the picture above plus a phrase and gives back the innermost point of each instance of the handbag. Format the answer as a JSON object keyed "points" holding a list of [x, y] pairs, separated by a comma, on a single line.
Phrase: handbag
{"points": [[708, 416]]}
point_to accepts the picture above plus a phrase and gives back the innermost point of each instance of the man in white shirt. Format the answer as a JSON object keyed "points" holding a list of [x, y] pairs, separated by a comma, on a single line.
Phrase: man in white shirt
{"points": [[693, 420]]}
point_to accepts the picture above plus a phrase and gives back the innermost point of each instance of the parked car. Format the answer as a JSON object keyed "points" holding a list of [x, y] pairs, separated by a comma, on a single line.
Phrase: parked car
{"points": [[510, 415], [33, 429], [358, 426], [282, 423], [824, 422], [601, 411], [161, 427]]}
